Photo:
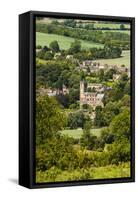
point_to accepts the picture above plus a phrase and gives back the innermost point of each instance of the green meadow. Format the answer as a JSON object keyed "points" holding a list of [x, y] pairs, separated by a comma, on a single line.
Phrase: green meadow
{"points": [[119, 31], [123, 60], [109, 25], [63, 41], [77, 133]]}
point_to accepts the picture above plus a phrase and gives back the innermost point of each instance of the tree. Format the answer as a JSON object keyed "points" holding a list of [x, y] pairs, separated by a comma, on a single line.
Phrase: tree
{"points": [[90, 141], [87, 140], [77, 119], [119, 151], [101, 75], [45, 48], [38, 47], [106, 135], [122, 26], [75, 47], [49, 118], [73, 95], [109, 74], [54, 46], [120, 125], [70, 22], [125, 101], [99, 120], [48, 56], [63, 100], [109, 112]]}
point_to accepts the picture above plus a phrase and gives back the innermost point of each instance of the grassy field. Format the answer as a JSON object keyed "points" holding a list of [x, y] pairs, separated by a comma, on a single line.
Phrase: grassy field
{"points": [[64, 42], [48, 20], [107, 172], [124, 59], [109, 25], [120, 31], [78, 132]]}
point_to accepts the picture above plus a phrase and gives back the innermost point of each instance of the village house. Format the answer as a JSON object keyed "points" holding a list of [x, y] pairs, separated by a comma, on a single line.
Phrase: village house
{"points": [[89, 65], [116, 77], [53, 91]]}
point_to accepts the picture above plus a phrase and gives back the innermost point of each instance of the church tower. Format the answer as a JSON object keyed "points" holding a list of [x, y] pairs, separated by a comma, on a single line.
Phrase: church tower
{"points": [[81, 93]]}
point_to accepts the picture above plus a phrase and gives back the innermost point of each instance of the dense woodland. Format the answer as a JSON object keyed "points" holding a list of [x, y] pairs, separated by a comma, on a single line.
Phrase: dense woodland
{"points": [[60, 157]]}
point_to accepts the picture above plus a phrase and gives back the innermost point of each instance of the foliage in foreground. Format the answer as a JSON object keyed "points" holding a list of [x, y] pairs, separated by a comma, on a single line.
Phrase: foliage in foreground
{"points": [[110, 171]]}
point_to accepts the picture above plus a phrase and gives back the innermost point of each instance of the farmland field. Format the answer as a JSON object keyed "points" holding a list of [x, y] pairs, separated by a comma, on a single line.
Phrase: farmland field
{"points": [[64, 42], [76, 133], [109, 25], [96, 25], [120, 31], [123, 60]]}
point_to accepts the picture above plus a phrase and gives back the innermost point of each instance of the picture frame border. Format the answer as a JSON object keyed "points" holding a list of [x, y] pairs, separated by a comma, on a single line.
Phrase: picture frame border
{"points": [[28, 178]]}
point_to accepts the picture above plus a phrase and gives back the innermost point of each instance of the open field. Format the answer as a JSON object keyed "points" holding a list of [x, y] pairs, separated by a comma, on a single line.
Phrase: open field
{"points": [[123, 60], [64, 42], [109, 25], [120, 31], [107, 172], [48, 20], [76, 133]]}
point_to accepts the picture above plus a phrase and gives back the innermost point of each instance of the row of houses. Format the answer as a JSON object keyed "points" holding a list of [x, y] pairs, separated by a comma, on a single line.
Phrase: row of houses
{"points": [[90, 66], [53, 91]]}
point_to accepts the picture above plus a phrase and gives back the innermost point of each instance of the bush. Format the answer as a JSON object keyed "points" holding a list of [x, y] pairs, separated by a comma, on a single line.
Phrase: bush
{"points": [[57, 151], [106, 136], [120, 125], [119, 152], [38, 47], [77, 119], [48, 56]]}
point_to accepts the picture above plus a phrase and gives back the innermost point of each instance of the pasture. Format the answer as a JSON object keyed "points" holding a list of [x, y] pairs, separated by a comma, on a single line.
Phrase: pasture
{"points": [[44, 39], [120, 31], [77, 133], [110, 25], [123, 60]]}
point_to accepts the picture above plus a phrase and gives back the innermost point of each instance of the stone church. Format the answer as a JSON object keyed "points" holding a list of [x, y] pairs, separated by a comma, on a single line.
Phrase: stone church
{"points": [[94, 97]]}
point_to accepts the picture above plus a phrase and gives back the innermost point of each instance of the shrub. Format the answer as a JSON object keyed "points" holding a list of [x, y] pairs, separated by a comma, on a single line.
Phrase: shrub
{"points": [[119, 152], [107, 136]]}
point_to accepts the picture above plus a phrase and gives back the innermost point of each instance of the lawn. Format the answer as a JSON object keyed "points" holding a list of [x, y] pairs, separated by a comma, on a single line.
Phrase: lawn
{"points": [[123, 60], [64, 42], [76, 133]]}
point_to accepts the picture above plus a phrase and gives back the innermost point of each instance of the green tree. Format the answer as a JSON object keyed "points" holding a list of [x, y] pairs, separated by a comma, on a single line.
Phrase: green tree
{"points": [[70, 22], [48, 56], [54, 46], [106, 135], [77, 119], [109, 112], [119, 152], [99, 120], [49, 118], [87, 140], [75, 47], [120, 125], [101, 75], [122, 26]]}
